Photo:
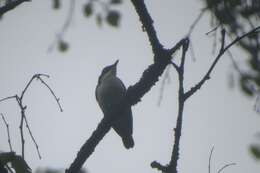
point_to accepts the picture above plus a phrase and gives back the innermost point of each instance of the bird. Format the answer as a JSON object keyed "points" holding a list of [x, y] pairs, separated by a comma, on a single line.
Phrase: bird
{"points": [[109, 93]]}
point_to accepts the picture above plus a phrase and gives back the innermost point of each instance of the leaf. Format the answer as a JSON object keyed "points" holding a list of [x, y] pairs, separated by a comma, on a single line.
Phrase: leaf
{"points": [[115, 2], [255, 151], [88, 9], [113, 18], [20, 165], [6, 157], [56, 4], [63, 46]]}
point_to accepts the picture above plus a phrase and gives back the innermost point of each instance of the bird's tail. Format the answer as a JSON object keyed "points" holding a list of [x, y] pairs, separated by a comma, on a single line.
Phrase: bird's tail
{"points": [[128, 142]]}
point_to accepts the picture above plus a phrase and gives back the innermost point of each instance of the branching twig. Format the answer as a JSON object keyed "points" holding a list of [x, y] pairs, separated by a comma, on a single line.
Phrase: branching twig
{"points": [[11, 5], [52, 92], [19, 100], [172, 167], [210, 157], [225, 166], [223, 49], [8, 132], [222, 168]]}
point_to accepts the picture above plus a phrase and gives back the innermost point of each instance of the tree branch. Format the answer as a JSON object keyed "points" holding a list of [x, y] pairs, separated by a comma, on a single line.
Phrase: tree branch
{"points": [[210, 157], [147, 23], [11, 5], [172, 167], [8, 132], [19, 100], [223, 49]]}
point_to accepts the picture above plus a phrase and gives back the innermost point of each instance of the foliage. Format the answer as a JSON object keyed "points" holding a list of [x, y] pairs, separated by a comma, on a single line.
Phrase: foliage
{"points": [[255, 151], [16, 161]]}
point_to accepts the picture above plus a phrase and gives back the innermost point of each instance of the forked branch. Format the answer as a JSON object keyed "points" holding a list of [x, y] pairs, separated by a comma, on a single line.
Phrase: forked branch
{"points": [[22, 107]]}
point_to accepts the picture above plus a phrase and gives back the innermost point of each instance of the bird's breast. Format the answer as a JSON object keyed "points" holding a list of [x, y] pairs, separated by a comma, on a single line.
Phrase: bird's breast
{"points": [[109, 93]]}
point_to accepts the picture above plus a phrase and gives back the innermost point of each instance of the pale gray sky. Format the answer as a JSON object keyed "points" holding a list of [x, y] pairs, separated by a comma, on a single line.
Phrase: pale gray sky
{"points": [[214, 116]]}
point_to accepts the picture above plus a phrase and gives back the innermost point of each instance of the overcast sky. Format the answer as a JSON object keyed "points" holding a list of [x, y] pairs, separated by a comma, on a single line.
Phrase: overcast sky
{"points": [[215, 116]]}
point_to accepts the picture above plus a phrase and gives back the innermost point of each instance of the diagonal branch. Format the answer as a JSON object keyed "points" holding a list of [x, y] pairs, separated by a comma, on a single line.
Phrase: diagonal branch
{"points": [[133, 95], [8, 132], [52, 93], [225, 166], [11, 5], [147, 23], [223, 49]]}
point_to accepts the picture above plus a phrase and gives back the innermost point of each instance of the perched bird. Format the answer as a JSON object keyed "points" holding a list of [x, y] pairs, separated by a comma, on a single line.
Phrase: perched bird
{"points": [[110, 91]]}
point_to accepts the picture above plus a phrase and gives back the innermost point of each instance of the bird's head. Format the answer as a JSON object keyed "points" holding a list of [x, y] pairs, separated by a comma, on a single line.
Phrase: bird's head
{"points": [[108, 71]]}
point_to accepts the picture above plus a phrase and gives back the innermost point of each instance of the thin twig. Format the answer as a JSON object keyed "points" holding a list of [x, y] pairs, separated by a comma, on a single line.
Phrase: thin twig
{"points": [[8, 132], [22, 109], [65, 26], [223, 49], [214, 29], [52, 92], [196, 21], [210, 157], [225, 166], [29, 83], [32, 137], [19, 100], [10, 97], [177, 46]]}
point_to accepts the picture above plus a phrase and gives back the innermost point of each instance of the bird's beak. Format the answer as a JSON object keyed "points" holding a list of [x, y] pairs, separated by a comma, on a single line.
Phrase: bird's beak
{"points": [[115, 64]]}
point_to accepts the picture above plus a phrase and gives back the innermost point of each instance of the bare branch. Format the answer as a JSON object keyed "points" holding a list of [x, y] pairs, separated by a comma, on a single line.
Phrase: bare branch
{"points": [[196, 21], [177, 135], [21, 125], [19, 101], [8, 132], [52, 92], [32, 137], [177, 46], [147, 23], [223, 49], [210, 157], [11, 5], [214, 29], [88, 148], [175, 66], [7, 98], [225, 166], [29, 83]]}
